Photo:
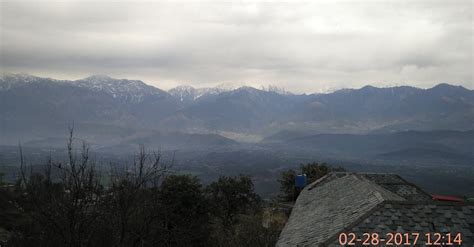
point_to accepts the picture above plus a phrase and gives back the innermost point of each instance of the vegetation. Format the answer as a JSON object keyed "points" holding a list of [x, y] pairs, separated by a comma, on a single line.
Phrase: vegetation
{"points": [[74, 203], [68, 204], [231, 197], [313, 172]]}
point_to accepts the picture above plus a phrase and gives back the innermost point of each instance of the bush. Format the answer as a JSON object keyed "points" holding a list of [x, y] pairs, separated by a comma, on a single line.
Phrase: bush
{"points": [[68, 205], [313, 171]]}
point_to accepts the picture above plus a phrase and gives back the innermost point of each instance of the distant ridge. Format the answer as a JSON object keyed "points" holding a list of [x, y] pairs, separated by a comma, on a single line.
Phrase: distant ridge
{"points": [[244, 111], [223, 87]]}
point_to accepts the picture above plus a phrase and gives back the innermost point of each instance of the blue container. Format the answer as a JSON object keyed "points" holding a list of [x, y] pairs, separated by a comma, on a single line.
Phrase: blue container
{"points": [[300, 181]]}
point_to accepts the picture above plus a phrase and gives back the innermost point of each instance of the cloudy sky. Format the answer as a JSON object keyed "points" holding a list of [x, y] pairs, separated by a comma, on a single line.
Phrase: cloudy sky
{"points": [[303, 46]]}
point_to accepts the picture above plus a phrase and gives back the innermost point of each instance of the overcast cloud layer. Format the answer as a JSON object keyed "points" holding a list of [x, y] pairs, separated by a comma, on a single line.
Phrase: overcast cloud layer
{"points": [[310, 46]]}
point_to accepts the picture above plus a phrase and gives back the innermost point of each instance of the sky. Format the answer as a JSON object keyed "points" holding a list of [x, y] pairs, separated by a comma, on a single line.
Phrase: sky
{"points": [[302, 46]]}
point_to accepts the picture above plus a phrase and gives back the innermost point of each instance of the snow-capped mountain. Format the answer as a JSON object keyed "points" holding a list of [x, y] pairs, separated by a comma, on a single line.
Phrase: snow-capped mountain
{"points": [[188, 94], [96, 99], [104, 100], [183, 93], [9, 81], [276, 89], [133, 91], [226, 87], [130, 90], [230, 86]]}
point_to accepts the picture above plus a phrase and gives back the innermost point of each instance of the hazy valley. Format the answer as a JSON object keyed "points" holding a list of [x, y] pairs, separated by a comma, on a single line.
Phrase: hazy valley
{"points": [[424, 134]]}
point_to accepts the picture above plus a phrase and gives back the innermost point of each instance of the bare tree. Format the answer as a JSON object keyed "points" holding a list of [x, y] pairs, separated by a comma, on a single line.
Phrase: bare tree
{"points": [[66, 208], [133, 199]]}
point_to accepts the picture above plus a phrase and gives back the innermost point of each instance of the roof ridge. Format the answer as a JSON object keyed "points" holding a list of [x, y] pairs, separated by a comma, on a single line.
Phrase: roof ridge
{"points": [[382, 200], [414, 185], [379, 187], [343, 200], [318, 181], [354, 223]]}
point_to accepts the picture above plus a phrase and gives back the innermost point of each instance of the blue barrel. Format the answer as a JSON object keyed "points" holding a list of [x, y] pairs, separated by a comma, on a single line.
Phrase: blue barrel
{"points": [[300, 181]]}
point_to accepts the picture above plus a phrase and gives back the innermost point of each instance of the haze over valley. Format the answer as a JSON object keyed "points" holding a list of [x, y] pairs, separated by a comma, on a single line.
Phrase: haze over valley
{"points": [[236, 123], [425, 134]]}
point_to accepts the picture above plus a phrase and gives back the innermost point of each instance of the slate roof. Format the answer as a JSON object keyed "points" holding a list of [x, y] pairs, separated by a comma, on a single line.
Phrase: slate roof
{"points": [[398, 185], [421, 218], [359, 203]]}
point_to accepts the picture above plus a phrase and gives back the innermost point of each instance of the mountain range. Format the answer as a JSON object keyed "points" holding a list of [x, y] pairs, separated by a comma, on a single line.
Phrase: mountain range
{"points": [[108, 109]]}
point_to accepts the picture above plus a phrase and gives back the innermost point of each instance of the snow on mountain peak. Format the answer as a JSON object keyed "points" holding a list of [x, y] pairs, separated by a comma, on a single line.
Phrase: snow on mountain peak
{"points": [[183, 93], [19, 76], [189, 93], [230, 86], [131, 90], [98, 78], [9, 80], [184, 88]]}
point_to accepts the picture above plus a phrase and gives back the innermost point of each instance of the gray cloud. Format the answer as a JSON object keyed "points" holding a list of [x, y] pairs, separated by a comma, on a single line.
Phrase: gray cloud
{"points": [[300, 45]]}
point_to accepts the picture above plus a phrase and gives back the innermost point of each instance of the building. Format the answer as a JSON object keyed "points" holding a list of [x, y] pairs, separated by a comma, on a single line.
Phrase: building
{"points": [[342, 206]]}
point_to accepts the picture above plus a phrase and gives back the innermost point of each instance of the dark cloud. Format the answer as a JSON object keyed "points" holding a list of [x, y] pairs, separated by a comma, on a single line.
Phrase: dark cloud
{"points": [[304, 46]]}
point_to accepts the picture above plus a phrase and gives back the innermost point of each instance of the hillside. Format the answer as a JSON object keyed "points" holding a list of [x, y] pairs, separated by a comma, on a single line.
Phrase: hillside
{"points": [[451, 147], [133, 106]]}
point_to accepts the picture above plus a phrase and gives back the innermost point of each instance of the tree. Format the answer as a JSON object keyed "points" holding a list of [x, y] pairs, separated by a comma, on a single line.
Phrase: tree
{"points": [[287, 185], [132, 204], [184, 212], [67, 204], [10, 217], [62, 212], [313, 171], [234, 207], [231, 196]]}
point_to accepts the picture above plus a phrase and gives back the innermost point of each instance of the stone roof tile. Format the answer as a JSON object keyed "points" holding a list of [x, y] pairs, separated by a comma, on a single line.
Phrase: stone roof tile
{"points": [[330, 204], [369, 202]]}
